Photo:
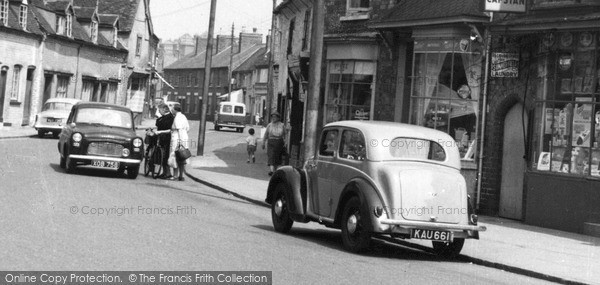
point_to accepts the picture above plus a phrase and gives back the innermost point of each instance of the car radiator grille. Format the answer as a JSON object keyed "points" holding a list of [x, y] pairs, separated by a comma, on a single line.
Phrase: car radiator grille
{"points": [[105, 148]]}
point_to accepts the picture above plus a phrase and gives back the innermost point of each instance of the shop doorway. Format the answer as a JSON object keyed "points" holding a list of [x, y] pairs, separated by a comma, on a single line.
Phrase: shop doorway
{"points": [[27, 101], [513, 164], [3, 73]]}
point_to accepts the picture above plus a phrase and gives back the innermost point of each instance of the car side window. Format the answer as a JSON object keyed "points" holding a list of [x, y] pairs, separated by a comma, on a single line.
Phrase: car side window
{"points": [[328, 143], [353, 146]]}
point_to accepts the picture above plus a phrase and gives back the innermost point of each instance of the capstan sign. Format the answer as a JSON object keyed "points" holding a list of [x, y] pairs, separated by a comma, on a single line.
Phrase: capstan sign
{"points": [[515, 6]]}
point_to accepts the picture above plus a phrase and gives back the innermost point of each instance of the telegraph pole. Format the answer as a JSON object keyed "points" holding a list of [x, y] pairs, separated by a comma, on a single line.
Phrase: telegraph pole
{"points": [[314, 79], [231, 61], [270, 88], [206, 83]]}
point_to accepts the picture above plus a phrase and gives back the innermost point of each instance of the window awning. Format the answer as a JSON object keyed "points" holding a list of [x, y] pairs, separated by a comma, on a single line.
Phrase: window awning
{"points": [[163, 80]]}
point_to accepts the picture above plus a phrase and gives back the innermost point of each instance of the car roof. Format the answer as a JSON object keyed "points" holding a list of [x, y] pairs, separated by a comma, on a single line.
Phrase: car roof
{"points": [[382, 130], [173, 103], [82, 104], [62, 100], [232, 103]]}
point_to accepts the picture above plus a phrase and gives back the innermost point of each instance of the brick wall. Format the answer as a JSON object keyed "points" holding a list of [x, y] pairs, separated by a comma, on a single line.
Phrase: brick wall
{"points": [[503, 94]]}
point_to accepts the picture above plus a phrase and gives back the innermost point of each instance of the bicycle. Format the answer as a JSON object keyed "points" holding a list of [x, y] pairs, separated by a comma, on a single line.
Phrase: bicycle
{"points": [[154, 155]]}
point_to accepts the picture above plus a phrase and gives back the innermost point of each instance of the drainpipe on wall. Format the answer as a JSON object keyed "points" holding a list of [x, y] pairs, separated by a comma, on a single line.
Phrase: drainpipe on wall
{"points": [[77, 72], [487, 44]]}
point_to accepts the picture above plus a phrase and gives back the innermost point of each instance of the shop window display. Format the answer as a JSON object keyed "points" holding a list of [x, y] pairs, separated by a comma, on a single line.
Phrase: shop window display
{"points": [[445, 89], [568, 106], [349, 92]]}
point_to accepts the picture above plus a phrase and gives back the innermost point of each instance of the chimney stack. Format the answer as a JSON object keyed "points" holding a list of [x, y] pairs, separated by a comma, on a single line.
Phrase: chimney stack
{"points": [[248, 40]]}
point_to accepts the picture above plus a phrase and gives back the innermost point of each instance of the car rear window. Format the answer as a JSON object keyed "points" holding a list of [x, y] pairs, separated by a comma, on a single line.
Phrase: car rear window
{"points": [[410, 148], [104, 117], [57, 106], [238, 110], [226, 109]]}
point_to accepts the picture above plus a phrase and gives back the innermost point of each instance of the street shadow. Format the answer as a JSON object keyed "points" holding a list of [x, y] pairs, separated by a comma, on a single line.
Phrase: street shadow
{"points": [[174, 188], [518, 225], [235, 158], [379, 248]]}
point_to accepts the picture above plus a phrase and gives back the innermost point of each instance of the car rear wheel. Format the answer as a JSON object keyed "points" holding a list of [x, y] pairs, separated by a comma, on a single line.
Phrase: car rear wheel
{"points": [[217, 128], [279, 210], [133, 171], [355, 237], [448, 249], [41, 134]]}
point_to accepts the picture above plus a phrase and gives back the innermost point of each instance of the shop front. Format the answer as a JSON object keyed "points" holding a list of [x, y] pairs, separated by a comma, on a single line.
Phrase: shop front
{"points": [[558, 98]]}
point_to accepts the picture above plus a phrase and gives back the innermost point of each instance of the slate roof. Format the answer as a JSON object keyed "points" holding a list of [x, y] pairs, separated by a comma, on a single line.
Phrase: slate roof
{"points": [[126, 9], [218, 61], [259, 58], [108, 19], [56, 6], [84, 3], [13, 21], [419, 12], [85, 13]]}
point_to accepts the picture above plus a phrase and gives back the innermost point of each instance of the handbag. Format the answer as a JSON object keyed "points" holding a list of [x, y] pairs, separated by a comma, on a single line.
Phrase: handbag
{"points": [[182, 153]]}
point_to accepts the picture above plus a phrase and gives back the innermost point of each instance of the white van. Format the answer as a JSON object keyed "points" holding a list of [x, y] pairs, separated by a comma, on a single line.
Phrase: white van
{"points": [[231, 115]]}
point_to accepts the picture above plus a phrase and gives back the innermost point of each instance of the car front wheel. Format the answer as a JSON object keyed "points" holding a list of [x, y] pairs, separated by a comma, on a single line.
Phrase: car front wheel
{"points": [[279, 210], [69, 164], [133, 171], [355, 237], [41, 133], [448, 249]]}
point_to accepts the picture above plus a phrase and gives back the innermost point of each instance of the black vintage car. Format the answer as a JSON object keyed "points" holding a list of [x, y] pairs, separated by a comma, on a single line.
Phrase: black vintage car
{"points": [[103, 136]]}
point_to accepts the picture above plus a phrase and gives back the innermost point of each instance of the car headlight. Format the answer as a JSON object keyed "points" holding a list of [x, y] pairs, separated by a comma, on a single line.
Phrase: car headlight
{"points": [[77, 137], [137, 142]]}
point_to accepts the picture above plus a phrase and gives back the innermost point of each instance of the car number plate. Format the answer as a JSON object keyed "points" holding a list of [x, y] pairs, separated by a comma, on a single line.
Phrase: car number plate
{"points": [[105, 164], [431, 235]]}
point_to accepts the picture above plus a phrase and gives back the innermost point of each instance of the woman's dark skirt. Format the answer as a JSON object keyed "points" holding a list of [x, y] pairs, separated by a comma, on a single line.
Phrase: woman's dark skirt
{"points": [[274, 151]]}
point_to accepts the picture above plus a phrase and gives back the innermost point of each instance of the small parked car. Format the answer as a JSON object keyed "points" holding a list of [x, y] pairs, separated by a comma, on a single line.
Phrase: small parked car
{"points": [[373, 178], [53, 115], [231, 115], [103, 136]]}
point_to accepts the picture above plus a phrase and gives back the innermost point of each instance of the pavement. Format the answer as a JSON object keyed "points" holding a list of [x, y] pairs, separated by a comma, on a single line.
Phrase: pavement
{"points": [[513, 246]]}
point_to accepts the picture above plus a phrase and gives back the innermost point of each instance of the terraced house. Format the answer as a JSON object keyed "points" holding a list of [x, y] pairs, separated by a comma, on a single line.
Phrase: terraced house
{"points": [[85, 49]]}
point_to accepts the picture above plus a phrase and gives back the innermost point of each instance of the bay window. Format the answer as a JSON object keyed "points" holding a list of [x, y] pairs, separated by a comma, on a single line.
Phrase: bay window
{"points": [[446, 80]]}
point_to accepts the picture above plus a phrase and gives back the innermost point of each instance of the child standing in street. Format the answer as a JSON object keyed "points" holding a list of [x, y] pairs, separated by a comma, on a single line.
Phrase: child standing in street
{"points": [[251, 140]]}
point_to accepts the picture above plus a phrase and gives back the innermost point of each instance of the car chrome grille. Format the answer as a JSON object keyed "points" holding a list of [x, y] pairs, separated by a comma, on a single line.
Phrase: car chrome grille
{"points": [[105, 148]]}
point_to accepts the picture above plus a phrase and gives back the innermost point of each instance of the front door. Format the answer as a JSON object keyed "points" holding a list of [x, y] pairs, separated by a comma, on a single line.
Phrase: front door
{"points": [[513, 164], [2, 91], [27, 101]]}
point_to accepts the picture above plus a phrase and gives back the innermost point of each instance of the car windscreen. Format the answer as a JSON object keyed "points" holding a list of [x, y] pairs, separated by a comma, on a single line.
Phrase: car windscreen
{"points": [[411, 148], [104, 117], [238, 110], [226, 109], [57, 106]]}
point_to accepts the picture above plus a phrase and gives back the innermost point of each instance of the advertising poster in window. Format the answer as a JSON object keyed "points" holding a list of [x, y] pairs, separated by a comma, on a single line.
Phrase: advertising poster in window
{"points": [[582, 118], [505, 64]]}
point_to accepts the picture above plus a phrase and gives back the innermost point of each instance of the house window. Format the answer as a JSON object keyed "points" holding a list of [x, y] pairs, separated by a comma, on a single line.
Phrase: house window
{"points": [[349, 94], [14, 92], [358, 5], [189, 80], [446, 80], [23, 17], [291, 36], [69, 25], [60, 25], [263, 75], [4, 12], [94, 31], [566, 130], [138, 46], [62, 86], [306, 35]]}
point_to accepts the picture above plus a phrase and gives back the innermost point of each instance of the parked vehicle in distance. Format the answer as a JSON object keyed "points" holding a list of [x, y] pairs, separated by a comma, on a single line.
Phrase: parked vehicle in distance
{"points": [[231, 115], [103, 136], [379, 178], [54, 114]]}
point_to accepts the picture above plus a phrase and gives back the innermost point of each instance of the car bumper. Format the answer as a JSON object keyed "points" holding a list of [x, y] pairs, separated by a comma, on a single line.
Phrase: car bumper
{"points": [[104, 158], [404, 228], [230, 125], [48, 127]]}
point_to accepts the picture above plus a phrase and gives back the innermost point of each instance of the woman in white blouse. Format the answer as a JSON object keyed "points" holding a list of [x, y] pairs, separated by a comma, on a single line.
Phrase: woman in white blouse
{"points": [[179, 137]]}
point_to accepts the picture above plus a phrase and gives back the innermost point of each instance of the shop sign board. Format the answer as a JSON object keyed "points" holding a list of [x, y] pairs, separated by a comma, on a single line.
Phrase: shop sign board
{"points": [[505, 64], [505, 6]]}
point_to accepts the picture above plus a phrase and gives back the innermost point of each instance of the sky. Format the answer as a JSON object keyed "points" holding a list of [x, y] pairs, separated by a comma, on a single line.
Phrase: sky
{"points": [[174, 18]]}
